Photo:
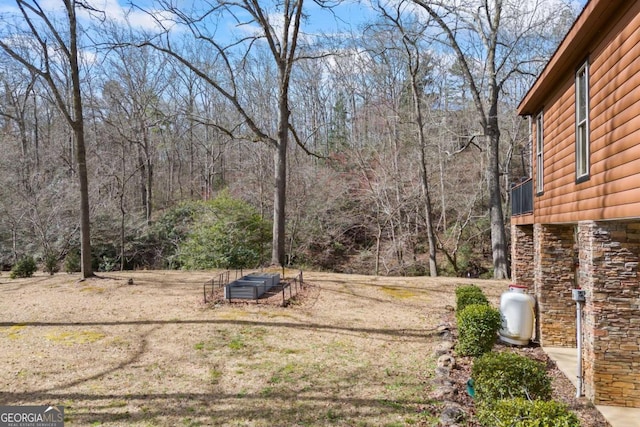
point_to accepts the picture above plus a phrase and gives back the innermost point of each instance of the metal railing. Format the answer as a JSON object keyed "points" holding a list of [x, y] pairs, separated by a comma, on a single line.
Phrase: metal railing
{"points": [[217, 282], [522, 198], [294, 286]]}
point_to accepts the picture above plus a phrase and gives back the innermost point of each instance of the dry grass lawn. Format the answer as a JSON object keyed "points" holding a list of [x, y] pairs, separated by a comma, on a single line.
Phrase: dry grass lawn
{"points": [[357, 351]]}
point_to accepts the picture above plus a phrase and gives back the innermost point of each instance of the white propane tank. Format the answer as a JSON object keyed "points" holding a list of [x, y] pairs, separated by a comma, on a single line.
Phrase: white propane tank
{"points": [[517, 310]]}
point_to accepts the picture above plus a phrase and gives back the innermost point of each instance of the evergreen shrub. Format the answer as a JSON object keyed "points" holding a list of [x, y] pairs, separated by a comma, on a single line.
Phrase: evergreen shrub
{"points": [[72, 262], [227, 233], [25, 267], [521, 412], [469, 294], [478, 326], [51, 263], [507, 375]]}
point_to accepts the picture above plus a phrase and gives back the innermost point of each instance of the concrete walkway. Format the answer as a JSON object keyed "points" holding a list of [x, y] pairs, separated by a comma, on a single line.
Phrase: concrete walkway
{"points": [[567, 361]]}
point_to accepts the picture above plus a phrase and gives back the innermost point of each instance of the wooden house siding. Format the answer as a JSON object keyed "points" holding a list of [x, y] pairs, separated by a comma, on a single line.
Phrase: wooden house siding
{"points": [[613, 188]]}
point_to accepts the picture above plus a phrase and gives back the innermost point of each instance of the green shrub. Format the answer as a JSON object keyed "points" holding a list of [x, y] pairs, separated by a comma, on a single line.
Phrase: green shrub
{"points": [[520, 412], [227, 233], [24, 268], [157, 246], [508, 375], [72, 262], [478, 326], [104, 256], [469, 294], [51, 263]]}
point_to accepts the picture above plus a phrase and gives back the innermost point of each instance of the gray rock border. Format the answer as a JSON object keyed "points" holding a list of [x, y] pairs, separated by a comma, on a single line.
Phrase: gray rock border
{"points": [[445, 391]]}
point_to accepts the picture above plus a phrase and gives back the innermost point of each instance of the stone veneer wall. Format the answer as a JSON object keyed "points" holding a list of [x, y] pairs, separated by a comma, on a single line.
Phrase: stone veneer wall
{"points": [[608, 273], [522, 272], [554, 278], [522, 262]]}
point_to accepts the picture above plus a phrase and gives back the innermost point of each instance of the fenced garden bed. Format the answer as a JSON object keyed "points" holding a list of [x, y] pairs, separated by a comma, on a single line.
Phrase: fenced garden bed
{"points": [[259, 287]]}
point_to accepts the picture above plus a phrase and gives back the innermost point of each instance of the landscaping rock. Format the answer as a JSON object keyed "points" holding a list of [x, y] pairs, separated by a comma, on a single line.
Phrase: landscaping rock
{"points": [[452, 414], [444, 347], [444, 381], [443, 371], [447, 336], [446, 361], [444, 327], [444, 392]]}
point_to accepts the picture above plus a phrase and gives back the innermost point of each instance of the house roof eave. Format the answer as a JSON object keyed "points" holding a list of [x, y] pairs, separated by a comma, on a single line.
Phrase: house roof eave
{"points": [[575, 47]]}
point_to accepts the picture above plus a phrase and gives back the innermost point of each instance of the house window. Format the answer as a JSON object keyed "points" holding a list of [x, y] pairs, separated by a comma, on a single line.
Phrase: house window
{"points": [[582, 123], [539, 158]]}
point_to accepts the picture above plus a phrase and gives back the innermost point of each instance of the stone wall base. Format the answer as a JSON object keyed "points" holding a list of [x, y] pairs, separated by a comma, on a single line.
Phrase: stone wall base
{"points": [[603, 259], [608, 272], [554, 278]]}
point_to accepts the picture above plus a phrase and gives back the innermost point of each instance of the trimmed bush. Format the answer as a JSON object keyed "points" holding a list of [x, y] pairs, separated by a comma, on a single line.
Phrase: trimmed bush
{"points": [[521, 412], [509, 375], [24, 268], [478, 326], [469, 294]]}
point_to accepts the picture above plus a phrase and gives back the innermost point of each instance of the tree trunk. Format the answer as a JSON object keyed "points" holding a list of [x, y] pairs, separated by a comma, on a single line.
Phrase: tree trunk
{"points": [[123, 212], [142, 183], [378, 239], [492, 132], [149, 212], [280, 187], [498, 235], [81, 157], [431, 237], [122, 236]]}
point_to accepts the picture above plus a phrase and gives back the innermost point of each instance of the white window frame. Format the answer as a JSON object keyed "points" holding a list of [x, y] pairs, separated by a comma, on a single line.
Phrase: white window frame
{"points": [[582, 123], [539, 153]]}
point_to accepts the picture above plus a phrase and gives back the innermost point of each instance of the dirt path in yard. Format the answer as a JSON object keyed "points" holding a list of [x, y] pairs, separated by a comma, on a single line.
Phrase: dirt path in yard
{"points": [[356, 351]]}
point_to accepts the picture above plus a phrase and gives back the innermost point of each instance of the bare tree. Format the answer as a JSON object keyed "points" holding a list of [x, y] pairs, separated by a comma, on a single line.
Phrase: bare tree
{"points": [[417, 64], [51, 52], [278, 25], [15, 109], [492, 42], [142, 79]]}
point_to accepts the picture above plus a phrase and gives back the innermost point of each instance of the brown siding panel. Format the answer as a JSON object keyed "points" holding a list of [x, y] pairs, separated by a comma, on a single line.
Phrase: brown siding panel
{"points": [[617, 140], [613, 188], [626, 158], [620, 41], [619, 115], [612, 193]]}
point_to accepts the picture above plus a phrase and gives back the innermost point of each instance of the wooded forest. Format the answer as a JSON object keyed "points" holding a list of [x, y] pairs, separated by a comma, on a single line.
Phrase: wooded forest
{"points": [[218, 134]]}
